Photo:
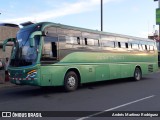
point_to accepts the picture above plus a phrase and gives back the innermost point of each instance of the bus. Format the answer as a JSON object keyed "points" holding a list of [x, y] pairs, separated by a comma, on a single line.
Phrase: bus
{"points": [[50, 54]]}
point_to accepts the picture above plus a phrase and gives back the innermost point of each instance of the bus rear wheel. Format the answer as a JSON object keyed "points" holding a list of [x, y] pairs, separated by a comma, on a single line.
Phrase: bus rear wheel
{"points": [[70, 81], [137, 74]]}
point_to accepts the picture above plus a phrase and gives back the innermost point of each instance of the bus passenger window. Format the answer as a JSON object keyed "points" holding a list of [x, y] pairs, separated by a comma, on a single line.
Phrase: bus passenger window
{"points": [[123, 45], [135, 46], [140, 47], [96, 42], [85, 40], [49, 48], [108, 44], [143, 47], [151, 48]]}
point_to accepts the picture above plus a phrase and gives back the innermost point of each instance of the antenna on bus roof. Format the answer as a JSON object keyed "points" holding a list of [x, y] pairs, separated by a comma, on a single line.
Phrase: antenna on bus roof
{"points": [[26, 23]]}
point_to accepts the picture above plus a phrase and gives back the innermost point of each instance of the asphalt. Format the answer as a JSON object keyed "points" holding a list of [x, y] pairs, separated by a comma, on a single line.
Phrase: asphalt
{"points": [[7, 84], [118, 95]]}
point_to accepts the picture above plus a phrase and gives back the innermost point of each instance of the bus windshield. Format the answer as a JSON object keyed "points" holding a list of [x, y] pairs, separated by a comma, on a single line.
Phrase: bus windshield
{"points": [[23, 54]]}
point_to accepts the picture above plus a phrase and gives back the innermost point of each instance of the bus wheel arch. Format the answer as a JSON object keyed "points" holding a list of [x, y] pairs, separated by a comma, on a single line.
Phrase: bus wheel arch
{"points": [[72, 79], [137, 73]]}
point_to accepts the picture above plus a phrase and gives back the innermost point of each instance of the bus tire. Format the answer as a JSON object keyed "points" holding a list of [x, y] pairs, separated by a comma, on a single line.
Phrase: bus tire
{"points": [[70, 81], [137, 74]]}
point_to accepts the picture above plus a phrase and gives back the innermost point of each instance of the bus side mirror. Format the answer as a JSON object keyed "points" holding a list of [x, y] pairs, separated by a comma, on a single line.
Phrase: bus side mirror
{"points": [[8, 40], [32, 41]]}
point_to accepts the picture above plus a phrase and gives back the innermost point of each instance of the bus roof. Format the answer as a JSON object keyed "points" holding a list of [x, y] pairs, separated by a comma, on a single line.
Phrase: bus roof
{"points": [[45, 24]]}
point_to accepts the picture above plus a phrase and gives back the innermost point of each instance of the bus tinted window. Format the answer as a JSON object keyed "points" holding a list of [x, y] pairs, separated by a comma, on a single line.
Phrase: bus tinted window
{"points": [[90, 35], [140, 47], [50, 47], [123, 45], [51, 30], [108, 44], [73, 40], [91, 42], [143, 47], [151, 48], [108, 38], [96, 42], [72, 33], [135, 46]]}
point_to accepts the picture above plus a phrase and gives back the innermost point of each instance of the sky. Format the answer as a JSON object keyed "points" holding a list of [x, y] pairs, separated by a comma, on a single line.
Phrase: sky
{"points": [[129, 17]]}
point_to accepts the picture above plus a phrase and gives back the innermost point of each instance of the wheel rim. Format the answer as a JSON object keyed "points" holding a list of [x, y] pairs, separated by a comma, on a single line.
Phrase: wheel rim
{"points": [[71, 81], [137, 75]]}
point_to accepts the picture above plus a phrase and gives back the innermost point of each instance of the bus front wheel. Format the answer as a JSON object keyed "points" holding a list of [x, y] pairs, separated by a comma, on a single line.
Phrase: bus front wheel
{"points": [[70, 81], [137, 74]]}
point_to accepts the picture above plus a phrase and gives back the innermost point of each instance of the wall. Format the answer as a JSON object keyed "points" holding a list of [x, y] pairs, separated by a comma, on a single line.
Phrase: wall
{"points": [[7, 32]]}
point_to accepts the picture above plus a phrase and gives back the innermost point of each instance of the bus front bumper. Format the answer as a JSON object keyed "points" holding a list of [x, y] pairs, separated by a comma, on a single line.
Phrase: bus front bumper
{"points": [[24, 81]]}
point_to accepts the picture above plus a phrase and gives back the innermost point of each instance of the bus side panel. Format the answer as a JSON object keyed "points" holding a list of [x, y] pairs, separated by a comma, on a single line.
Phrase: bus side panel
{"points": [[102, 72], [144, 68], [120, 71], [87, 73], [52, 75], [155, 67], [115, 70], [126, 71], [46, 80]]}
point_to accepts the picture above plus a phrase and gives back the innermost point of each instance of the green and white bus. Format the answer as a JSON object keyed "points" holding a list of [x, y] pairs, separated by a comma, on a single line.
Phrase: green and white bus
{"points": [[50, 54]]}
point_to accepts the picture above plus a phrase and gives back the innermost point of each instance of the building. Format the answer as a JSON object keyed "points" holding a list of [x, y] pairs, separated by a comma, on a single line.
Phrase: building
{"points": [[7, 30]]}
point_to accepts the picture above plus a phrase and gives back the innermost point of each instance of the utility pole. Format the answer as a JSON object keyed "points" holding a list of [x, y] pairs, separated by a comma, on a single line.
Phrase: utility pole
{"points": [[101, 15]]}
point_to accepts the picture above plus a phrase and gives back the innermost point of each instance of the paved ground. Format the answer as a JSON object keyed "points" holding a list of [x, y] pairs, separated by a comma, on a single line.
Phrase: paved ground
{"points": [[118, 95], [7, 84]]}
